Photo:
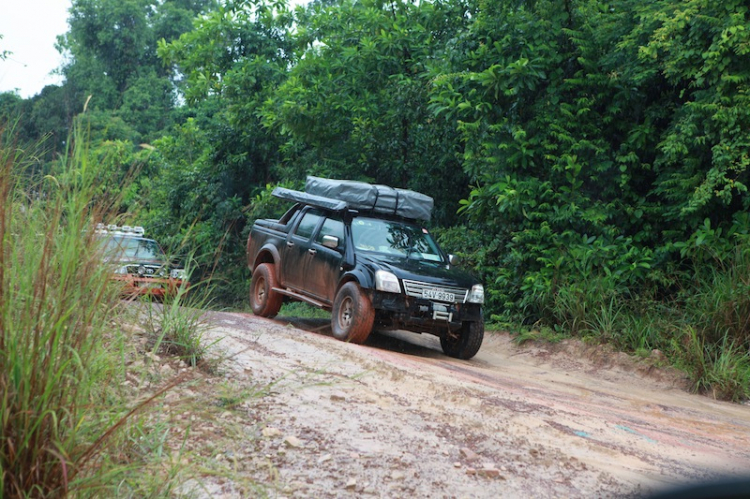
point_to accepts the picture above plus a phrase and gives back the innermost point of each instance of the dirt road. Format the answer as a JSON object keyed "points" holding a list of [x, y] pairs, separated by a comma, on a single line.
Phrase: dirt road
{"points": [[397, 418]]}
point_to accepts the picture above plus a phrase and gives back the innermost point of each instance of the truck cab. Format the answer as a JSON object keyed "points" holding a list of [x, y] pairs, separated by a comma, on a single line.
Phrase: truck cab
{"points": [[372, 269]]}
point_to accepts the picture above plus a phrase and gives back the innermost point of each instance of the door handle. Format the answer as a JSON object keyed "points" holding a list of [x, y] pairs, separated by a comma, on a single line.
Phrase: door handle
{"points": [[289, 244], [313, 252]]}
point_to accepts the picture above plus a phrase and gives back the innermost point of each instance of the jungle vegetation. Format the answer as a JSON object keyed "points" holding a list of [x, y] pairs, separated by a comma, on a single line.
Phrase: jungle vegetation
{"points": [[589, 159]]}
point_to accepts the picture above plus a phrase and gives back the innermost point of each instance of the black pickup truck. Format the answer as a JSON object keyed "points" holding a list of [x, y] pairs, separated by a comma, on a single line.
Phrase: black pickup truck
{"points": [[358, 250]]}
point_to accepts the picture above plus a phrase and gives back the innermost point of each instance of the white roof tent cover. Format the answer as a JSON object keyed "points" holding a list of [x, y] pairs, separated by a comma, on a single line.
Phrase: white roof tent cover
{"points": [[373, 197]]}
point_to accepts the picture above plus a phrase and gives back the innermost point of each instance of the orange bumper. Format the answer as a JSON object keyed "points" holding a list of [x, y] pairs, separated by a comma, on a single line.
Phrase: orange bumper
{"points": [[133, 287]]}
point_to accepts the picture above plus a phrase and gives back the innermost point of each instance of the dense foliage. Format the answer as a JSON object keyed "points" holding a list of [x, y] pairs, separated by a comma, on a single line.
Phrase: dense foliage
{"points": [[588, 158]]}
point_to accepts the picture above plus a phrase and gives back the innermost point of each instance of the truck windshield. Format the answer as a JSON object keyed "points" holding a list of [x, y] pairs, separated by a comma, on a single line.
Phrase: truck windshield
{"points": [[394, 238], [134, 248]]}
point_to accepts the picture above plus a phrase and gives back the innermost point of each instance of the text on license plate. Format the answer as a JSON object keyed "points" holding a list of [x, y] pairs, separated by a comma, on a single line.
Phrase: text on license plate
{"points": [[436, 294]]}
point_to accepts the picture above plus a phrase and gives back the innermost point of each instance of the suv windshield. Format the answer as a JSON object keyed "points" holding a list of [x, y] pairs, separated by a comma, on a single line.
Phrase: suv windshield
{"points": [[394, 238], [134, 248]]}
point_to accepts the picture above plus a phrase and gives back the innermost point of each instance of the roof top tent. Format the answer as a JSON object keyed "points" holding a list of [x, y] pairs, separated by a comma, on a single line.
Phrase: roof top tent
{"points": [[378, 198]]}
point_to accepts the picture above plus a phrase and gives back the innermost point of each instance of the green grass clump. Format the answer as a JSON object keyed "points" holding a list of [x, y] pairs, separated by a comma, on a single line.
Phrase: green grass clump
{"points": [[177, 326], [55, 300], [303, 310]]}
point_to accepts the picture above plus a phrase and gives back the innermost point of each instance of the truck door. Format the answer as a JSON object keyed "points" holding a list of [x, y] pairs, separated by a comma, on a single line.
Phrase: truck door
{"points": [[298, 251], [325, 265]]}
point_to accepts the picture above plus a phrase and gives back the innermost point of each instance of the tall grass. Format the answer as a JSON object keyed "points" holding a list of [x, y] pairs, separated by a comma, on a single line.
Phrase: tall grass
{"points": [[719, 301], [704, 330], [55, 298], [716, 346]]}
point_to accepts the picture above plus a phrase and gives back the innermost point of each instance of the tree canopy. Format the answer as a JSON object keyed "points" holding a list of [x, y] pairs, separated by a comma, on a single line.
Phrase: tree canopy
{"points": [[566, 144]]}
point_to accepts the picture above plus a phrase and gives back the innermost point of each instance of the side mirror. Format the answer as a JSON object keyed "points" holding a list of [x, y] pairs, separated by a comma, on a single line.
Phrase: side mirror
{"points": [[454, 259], [331, 242]]}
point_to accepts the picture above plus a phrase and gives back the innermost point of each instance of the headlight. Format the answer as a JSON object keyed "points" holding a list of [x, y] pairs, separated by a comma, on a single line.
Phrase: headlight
{"points": [[476, 295], [121, 270], [385, 281], [178, 274]]}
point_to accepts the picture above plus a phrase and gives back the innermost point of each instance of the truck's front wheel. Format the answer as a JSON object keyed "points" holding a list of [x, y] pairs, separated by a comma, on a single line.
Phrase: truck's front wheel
{"points": [[464, 343], [353, 316], [264, 301]]}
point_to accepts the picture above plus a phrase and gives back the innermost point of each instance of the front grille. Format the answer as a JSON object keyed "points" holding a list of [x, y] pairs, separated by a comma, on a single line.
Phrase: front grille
{"points": [[147, 270], [417, 289]]}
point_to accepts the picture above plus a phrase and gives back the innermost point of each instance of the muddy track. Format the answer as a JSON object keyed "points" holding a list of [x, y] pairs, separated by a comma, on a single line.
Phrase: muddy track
{"points": [[395, 417]]}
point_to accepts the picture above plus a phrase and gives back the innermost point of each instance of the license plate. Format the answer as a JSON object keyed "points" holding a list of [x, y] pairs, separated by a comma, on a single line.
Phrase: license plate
{"points": [[436, 294], [149, 285]]}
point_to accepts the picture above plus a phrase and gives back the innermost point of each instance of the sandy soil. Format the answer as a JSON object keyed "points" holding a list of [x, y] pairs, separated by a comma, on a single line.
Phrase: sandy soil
{"points": [[397, 418]]}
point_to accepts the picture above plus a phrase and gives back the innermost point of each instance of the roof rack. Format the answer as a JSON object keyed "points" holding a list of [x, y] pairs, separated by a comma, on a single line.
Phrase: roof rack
{"points": [[125, 230], [311, 199]]}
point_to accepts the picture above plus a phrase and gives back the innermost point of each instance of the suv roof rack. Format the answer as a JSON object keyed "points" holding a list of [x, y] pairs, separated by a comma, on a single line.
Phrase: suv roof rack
{"points": [[125, 230]]}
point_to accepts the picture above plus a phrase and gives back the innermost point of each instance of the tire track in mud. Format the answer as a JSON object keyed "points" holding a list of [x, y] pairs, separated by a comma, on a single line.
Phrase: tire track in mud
{"points": [[674, 439], [552, 431]]}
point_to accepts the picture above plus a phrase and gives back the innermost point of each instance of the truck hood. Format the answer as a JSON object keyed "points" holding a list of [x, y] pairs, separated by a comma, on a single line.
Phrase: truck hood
{"points": [[438, 273]]}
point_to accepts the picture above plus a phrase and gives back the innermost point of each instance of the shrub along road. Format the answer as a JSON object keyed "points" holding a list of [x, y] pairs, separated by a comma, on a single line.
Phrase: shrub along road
{"points": [[396, 417]]}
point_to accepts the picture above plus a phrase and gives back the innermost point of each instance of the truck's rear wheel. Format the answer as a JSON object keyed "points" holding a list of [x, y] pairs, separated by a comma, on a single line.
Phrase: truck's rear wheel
{"points": [[353, 316], [263, 299], [464, 343]]}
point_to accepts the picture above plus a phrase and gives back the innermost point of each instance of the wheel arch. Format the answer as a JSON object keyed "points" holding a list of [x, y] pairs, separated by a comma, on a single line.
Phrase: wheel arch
{"points": [[359, 276], [267, 254]]}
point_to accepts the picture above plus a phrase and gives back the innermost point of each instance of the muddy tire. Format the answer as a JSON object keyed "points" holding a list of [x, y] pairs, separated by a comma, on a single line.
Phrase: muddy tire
{"points": [[352, 317], [264, 301], [464, 343]]}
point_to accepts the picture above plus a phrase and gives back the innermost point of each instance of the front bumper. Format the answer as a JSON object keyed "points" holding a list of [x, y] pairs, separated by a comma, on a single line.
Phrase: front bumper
{"points": [[398, 311], [133, 286]]}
